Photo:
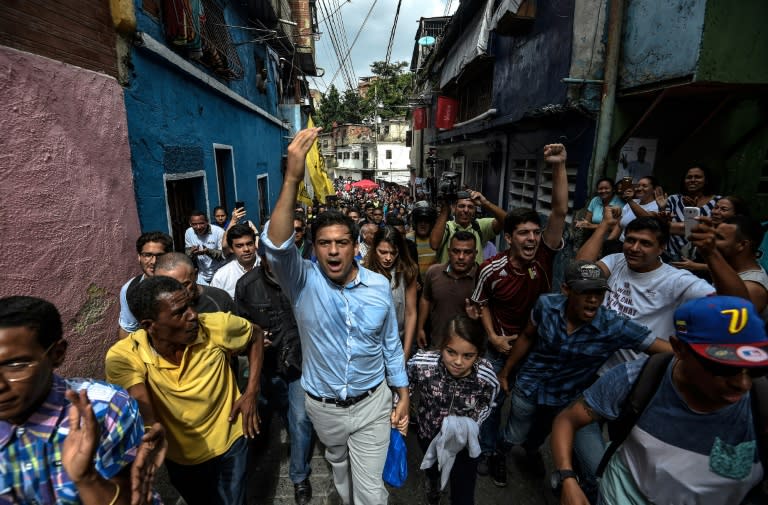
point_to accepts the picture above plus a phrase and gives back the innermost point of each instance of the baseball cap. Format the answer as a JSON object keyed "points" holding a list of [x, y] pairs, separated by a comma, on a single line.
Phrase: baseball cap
{"points": [[724, 329], [583, 276]]}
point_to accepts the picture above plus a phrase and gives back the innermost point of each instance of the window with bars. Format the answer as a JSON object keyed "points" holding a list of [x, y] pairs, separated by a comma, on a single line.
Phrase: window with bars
{"points": [[473, 176], [530, 185], [199, 28]]}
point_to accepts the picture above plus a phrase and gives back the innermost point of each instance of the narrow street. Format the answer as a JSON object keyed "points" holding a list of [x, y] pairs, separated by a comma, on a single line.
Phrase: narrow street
{"points": [[270, 485]]}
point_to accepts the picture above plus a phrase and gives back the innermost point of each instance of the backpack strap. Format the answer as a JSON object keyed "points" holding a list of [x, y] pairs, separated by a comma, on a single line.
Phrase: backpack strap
{"points": [[646, 385], [759, 397]]}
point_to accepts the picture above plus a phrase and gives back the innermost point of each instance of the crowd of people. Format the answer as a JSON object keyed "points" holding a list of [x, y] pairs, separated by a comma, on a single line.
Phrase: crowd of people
{"points": [[376, 311]]}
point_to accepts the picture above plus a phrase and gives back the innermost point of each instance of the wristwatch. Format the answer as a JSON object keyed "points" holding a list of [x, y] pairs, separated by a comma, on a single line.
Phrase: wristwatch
{"points": [[558, 476]]}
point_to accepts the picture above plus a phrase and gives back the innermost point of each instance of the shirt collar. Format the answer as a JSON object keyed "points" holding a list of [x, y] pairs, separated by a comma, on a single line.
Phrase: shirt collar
{"points": [[150, 356], [470, 273], [45, 419]]}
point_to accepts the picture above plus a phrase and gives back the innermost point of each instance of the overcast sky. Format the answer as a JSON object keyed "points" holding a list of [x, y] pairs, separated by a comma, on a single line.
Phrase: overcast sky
{"points": [[372, 44]]}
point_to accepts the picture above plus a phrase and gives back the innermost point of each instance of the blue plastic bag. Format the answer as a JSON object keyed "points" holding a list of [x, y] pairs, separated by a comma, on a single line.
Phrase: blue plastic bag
{"points": [[396, 466]]}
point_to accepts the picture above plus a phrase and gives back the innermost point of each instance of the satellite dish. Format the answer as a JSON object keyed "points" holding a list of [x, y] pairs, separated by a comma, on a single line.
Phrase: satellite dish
{"points": [[426, 41]]}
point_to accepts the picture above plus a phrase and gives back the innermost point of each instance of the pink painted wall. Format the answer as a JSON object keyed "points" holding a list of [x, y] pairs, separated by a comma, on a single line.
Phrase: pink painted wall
{"points": [[68, 219]]}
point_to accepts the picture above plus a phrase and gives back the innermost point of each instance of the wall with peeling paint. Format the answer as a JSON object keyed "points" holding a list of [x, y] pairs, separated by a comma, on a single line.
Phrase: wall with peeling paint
{"points": [[69, 220]]}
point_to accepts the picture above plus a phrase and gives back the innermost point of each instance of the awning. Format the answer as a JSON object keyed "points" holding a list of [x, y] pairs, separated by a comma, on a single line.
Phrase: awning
{"points": [[470, 45]]}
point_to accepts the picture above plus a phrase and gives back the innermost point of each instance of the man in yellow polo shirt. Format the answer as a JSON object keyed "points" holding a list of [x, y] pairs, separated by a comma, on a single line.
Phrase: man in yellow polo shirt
{"points": [[177, 368]]}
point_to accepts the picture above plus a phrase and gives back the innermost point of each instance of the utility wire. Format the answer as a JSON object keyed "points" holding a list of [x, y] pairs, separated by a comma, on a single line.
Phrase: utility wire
{"points": [[332, 34], [344, 44], [357, 35], [392, 34]]}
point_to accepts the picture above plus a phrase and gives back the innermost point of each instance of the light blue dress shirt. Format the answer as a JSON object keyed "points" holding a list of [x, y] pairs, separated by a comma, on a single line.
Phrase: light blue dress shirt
{"points": [[348, 333]]}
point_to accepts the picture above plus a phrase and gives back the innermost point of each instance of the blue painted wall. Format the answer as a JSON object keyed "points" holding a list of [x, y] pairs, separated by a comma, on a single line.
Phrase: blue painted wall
{"points": [[661, 40], [523, 79], [174, 120]]}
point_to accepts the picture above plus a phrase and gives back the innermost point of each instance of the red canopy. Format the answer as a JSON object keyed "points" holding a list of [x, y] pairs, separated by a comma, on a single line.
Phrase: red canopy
{"points": [[366, 184]]}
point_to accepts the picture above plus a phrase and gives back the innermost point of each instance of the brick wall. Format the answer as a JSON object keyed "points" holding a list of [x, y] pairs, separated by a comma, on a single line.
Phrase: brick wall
{"points": [[71, 31]]}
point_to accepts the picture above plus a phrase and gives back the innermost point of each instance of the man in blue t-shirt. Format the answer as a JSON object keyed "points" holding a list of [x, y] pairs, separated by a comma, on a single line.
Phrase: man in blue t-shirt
{"points": [[695, 442]]}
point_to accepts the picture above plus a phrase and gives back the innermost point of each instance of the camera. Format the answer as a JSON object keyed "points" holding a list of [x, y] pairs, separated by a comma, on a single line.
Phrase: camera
{"points": [[448, 186]]}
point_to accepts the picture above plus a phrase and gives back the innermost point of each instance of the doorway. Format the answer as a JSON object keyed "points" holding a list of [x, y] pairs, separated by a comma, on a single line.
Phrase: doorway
{"points": [[184, 193], [225, 176]]}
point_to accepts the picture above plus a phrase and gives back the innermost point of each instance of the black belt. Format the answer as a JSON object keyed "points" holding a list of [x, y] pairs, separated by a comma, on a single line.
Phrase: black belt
{"points": [[347, 402]]}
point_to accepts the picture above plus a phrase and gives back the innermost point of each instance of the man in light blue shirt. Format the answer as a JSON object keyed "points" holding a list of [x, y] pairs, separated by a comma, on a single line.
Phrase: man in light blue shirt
{"points": [[349, 339]]}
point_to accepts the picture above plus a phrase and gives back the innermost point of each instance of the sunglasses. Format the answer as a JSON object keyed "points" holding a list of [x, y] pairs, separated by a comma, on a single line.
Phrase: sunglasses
{"points": [[299, 228], [721, 370]]}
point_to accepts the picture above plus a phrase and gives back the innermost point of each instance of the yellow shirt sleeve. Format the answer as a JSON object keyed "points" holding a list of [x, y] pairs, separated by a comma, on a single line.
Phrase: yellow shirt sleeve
{"points": [[124, 365], [227, 330]]}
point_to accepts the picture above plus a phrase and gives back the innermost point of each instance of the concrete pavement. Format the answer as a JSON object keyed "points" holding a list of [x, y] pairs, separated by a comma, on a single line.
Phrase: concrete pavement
{"points": [[269, 483]]}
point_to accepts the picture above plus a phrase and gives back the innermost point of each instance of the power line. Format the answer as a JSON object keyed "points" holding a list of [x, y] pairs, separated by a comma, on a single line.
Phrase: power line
{"points": [[448, 4], [332, 34], [344, 45], [357, 35], [339, 36], [392, 34]]}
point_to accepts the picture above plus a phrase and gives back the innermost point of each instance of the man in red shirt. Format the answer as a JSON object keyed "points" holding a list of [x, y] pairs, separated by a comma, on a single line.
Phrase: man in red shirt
{"points": [[508, 286]]}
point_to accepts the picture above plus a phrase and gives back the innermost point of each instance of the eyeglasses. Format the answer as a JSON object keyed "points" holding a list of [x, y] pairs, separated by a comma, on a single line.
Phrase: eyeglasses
{"points": [[149, 255], [721, 370], [298, 229], [22, 370]]}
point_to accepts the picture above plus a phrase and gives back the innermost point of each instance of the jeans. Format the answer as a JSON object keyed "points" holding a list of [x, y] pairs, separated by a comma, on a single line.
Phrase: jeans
{"points": [[529, 425], [489, 430], [288, 399], [218, 481], [463, 475]]}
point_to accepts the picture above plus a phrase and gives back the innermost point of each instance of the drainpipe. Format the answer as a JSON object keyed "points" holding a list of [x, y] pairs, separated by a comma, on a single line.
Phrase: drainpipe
{"points": [[608, 101]]}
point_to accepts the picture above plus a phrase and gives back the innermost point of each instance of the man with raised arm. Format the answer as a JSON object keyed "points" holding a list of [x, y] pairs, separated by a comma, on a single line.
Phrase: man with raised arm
{"points": [[349, 339], [509, 284]]}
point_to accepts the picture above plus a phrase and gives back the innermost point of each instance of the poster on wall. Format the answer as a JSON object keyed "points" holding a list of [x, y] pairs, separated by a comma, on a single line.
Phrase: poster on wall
{"points": [[637, 158]]}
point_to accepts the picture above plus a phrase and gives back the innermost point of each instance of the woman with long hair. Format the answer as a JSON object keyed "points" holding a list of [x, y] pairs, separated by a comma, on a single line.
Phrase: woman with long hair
{"points": [[388, 255], [696, 191]]}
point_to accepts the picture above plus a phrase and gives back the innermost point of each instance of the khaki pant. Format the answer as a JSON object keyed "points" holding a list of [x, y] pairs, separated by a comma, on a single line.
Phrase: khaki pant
{"points": [[356, 439]]}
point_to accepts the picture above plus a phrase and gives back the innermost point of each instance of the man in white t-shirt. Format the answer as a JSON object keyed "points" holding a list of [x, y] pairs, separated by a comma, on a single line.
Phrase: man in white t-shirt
{"points": [[241, 239], [202, 242], [647, 290]]}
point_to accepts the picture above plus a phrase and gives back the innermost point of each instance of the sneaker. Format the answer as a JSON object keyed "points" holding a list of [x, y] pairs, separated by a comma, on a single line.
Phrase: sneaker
{"points": [[498, 469], [302, 492], [433, 491], [482, 465], [534, 464]]}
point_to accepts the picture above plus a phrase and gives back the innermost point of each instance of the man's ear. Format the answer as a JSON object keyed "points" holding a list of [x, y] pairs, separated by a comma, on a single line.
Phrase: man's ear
{"points": [[679, 348], [508, 238], [57, 352], [564, 289], [146, 324]]}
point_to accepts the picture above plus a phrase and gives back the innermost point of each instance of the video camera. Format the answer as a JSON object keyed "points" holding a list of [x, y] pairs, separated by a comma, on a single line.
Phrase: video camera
{"points": [[448, 186]]}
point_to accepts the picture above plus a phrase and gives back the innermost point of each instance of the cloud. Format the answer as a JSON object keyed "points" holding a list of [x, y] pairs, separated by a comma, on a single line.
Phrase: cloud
{"points": [[372, 43]]}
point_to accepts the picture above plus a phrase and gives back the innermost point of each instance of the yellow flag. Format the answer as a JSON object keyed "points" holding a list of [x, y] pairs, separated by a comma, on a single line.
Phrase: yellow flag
{"points": [[321, 183]]}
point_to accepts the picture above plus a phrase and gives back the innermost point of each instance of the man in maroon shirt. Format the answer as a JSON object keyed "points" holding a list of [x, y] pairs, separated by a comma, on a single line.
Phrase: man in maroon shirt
{"points": [[508, 286]]}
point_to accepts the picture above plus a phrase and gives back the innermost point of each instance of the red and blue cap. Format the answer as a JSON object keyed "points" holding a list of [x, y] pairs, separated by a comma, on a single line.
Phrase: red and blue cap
{"points": [[723, 329]]}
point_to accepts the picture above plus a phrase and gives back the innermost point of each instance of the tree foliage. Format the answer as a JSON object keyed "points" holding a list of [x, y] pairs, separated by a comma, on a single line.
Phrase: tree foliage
{"points": [[392, 87], [387, 96]]}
